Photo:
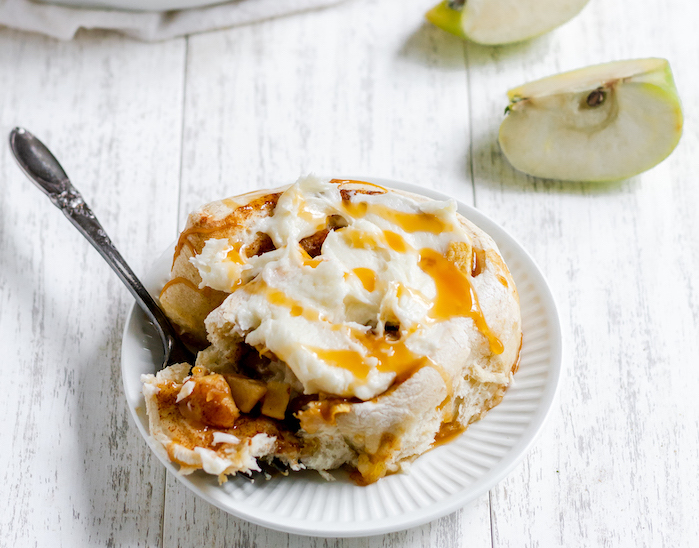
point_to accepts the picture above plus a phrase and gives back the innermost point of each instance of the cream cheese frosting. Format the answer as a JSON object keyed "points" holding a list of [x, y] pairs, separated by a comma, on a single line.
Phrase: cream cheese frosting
{"points": [[382, 269]]}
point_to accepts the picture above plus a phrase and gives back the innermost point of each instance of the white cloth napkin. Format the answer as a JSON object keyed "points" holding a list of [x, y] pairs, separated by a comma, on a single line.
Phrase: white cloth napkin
{"points": [[63, 22]]}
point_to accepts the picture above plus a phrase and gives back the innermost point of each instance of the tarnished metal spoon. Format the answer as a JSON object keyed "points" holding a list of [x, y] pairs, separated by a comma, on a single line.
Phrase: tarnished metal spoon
{"points": [[43, 169]]}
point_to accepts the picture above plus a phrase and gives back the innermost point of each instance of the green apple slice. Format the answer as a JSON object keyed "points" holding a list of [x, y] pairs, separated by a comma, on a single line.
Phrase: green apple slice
{"points": [[600, 123], [493, 22]]}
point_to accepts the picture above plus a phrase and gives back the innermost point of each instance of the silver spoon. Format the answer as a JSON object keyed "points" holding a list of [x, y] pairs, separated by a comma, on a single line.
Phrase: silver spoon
{"points": [[43, 169]]}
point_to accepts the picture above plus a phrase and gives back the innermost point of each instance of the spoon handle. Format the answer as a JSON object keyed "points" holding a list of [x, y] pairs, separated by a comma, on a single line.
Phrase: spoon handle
{"points": [[37, 162]]}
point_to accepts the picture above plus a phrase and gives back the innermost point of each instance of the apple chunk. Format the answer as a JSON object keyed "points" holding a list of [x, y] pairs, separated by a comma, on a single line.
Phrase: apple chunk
{"points": [[600, 123], [246, 392], [206, 398], [492, 22], [276, 399]]}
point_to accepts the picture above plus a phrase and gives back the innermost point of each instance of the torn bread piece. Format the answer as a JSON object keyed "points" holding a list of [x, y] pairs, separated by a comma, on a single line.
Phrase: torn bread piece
{"points": [[194, 419]]}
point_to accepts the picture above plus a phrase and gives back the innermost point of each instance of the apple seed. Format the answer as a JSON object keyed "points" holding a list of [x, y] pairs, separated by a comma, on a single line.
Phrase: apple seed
{"points": [[596, 98]]}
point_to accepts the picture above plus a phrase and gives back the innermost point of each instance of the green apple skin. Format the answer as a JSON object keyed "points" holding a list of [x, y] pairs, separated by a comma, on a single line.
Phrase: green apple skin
{"points": [[446, 18], [601, 123], [498, 22]]}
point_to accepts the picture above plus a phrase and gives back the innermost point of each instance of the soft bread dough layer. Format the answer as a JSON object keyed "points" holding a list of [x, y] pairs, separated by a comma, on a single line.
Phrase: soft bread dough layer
{"points": [[464, 379]]}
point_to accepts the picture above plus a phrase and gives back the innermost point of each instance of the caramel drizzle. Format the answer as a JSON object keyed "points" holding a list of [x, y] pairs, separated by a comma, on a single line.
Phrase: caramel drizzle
{"points": [[367, 276], [389, 357], [279, 298], [184, 281], [234, 254], [396, 242], [183, 240], [477, 261], [343, 182], [447, 432], [455, 297], [409, 222], [392, 356], [455, 294]]}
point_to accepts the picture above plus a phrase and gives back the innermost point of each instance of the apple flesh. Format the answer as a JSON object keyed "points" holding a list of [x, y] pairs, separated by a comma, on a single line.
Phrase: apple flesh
{"points": [[494, 22], [600, 123]]}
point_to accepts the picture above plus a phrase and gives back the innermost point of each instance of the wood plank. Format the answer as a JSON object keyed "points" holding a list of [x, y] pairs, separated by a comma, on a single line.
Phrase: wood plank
{"points": [[613, 467], [77, 472]]}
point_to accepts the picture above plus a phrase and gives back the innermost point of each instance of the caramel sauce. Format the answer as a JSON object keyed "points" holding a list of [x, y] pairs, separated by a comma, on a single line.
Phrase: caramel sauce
{"points": [[409, 222], [413, 222], [279, 298], [350, 360], [447, 432], [341, 182], [394, 356], [183, 240], [477, 262], [180, 280], [234, 254], [241, 211], [359, 239], [355, 209], [391, 356], [367, 277], [312, 262], [308, 260], [515, 367], [404, 291], [455, 295], [363, 240], [396, 242], [189, 283], [329, 409]]}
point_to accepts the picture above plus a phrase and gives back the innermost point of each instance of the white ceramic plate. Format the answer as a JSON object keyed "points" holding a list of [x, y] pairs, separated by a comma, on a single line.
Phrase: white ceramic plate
{"points": [[441, 481]]}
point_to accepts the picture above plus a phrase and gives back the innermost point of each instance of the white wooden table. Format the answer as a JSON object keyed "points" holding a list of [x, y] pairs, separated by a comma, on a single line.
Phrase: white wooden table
{"points": [[148, 131]]}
